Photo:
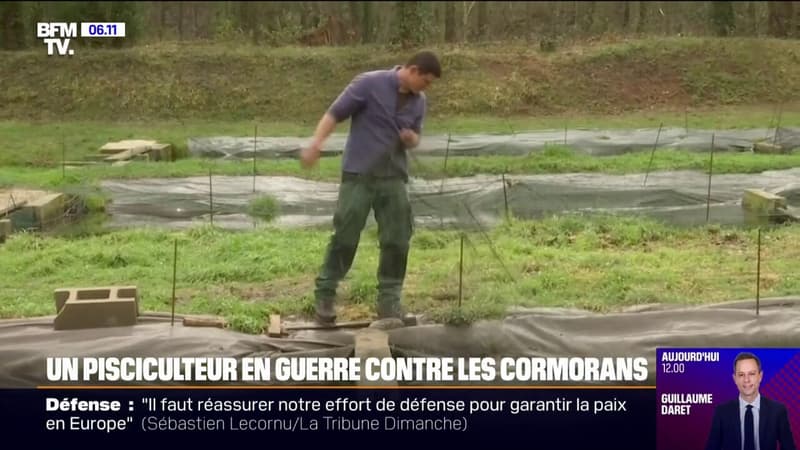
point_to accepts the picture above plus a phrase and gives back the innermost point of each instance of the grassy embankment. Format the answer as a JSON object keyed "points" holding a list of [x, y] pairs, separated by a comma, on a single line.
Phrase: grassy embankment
{"points": [[71, 106]]}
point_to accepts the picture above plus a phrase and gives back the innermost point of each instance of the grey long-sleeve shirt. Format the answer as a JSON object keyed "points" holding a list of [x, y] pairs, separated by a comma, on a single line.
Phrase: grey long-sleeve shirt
{"points": [[373, 145]]}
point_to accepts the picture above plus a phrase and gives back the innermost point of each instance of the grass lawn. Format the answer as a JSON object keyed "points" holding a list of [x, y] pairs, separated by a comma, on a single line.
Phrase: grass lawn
{"points": [[600, 264]]}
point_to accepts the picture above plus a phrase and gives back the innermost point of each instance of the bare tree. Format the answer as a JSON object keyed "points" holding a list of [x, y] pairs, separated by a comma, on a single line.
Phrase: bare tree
{"points": [[12, 35], [723, 18], [753, 15], [449, 22], [180, 21], [643, 6], [780, 18], [465, 19], [366, 22], [483, 21]]}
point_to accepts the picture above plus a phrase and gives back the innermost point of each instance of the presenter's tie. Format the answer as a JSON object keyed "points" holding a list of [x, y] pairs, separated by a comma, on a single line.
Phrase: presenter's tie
{"points": [[749, 430]]}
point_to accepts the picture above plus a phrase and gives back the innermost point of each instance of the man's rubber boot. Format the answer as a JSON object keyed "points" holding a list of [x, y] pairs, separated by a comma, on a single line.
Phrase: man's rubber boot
{"points": [[389, 309], [325, 312]]}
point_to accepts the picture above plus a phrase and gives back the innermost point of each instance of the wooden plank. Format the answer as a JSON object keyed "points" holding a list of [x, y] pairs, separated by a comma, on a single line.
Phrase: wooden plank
{"points": [[768, 148], [372, 343], [113, 148], [408, 321], [204, 321], [127, 154], [81, 163], [274, 329]]}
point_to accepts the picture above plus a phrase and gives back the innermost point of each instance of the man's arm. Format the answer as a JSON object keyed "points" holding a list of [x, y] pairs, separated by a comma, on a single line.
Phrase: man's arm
{"points": [[325, 127], [785, 430], [350, 101], [310, 154]]}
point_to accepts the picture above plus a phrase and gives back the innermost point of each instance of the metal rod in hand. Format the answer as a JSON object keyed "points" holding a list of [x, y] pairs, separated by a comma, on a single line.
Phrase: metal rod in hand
{"points": [[652, 153], [505, 194], [461, 271], [758, 273], [255, 140], [174, 276], [210, 198], [710, 171]]}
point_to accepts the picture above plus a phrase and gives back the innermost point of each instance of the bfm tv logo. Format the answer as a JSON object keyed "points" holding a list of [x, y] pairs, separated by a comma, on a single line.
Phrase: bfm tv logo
{"points": [[57, 36]]}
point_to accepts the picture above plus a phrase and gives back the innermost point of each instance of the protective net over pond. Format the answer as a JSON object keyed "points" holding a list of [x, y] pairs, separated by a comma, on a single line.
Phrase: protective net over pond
{"points": [[680, 198], [592, 142]]}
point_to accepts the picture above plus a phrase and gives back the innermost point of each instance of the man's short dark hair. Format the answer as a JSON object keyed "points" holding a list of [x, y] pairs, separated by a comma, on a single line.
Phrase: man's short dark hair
{"points": [[427, 62], [746, 355]]}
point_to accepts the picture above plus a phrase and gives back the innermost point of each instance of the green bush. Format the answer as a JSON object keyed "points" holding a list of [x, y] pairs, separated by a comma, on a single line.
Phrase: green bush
{"points": [[264, 207]]}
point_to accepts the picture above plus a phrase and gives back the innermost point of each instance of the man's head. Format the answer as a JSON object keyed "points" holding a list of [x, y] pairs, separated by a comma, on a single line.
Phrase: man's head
{"points": [[420, 71], [747, 375]]}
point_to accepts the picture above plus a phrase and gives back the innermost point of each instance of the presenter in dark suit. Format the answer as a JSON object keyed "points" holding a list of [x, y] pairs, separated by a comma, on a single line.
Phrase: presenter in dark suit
{"points": [[752, 421]]}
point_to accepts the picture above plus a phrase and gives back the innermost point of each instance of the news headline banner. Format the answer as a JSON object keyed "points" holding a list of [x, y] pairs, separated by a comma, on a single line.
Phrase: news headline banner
{"points": [[344, 370], [692, 382], [310, 415]]}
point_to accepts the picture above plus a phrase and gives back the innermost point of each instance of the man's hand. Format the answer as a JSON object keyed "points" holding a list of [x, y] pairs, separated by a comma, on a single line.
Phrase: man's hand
{"points": [[409, 138], [310, 155]]}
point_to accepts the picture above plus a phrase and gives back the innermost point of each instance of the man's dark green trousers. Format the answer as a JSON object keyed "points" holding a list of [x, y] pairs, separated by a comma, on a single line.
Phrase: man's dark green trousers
{"points": [[358, 195]]}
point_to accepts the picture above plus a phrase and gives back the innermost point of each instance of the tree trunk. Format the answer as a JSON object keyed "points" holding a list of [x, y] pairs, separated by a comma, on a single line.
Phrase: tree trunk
{"points": [[12, 29], [626, 15], [366, 23], [355, 20], [588, 18], [162, 19], [640, 27], [751, 13], [575, 16], [408, 17], [780, 18], [255, 18], [195, 22], [483, 21], [529, 19], [180, 21], [723, 18], [449, 22], [465, 19]]}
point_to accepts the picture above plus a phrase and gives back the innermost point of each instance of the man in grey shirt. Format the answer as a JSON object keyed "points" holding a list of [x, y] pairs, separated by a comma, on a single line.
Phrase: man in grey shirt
{"points": [[387, 109]]}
